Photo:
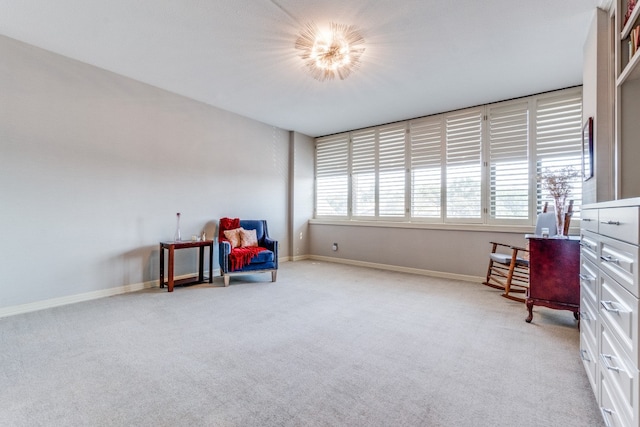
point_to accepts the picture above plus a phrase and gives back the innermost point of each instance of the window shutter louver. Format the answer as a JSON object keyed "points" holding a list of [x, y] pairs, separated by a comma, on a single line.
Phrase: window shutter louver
{"points": [[508, 129], [363, 173], [477, 165], [391, 164], [463, 163], [559, 141], [426, 168], [332, 184]]}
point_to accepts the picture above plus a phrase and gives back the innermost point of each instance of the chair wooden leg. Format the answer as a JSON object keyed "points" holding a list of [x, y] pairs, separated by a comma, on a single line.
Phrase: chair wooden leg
{"points": [[226, 279], [274, 273], [487, 281]]}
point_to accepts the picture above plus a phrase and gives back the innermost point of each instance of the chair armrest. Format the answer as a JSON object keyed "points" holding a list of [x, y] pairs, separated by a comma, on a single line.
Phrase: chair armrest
{"points": [[518, 248], [272, 245], [224, 249], [501, 244]]}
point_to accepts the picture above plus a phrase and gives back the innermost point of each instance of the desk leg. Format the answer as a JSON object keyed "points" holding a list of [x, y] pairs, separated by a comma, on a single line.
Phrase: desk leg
{"points": [[161, 266], [170, 278], [211, 263], [201, 265], [529, 304]]}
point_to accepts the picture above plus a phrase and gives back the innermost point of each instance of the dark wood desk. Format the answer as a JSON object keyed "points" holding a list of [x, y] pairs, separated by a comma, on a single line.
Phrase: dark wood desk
{"points": [[554, 268], [172, 247]]}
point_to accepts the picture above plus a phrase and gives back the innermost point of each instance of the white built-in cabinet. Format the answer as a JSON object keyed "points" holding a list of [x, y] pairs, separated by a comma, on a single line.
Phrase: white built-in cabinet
{"points": [[626, 36], [610, 306]]}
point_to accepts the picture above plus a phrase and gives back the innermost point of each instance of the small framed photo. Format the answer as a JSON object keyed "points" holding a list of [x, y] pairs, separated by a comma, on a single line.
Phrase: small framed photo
{"points": [[587, 149]]}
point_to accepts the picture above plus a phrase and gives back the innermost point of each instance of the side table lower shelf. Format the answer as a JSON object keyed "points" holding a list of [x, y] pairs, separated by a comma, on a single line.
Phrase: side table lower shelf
{"points": [[171, 247]]}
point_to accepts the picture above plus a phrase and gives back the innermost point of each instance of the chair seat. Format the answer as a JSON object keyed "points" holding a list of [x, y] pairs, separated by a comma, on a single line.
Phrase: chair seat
{"points": [[263, 256], [506, 259]]}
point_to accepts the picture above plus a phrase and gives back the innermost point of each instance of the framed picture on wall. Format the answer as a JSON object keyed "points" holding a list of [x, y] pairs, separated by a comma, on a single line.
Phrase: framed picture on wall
{"points": [[587, 149]]}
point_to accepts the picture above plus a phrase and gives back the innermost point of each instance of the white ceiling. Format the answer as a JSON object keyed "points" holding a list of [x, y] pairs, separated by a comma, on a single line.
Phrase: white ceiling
{"points": [[422, 56]]}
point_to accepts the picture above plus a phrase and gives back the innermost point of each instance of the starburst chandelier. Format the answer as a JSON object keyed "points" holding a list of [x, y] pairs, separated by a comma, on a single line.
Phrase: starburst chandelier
{"points": [[330, 54]]}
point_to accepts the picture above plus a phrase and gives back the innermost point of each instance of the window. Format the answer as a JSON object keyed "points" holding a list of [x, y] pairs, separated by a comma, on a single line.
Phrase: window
{"points": [[391, 159], [478, 165], [464, 165], [425, 136], [508, 143], [559, 141], [363, 173], [332, 186]]}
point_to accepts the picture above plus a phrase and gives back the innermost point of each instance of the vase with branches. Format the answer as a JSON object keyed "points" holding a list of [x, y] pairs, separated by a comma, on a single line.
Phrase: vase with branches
{"points": [[558, 182]]}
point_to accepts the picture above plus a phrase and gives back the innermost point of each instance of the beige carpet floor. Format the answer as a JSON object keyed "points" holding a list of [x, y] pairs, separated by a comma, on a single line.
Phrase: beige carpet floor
{"points": [[326, 345]]}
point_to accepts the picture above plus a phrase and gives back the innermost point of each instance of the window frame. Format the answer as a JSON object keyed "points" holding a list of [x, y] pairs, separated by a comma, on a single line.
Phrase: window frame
{"points": [[535, 197]]}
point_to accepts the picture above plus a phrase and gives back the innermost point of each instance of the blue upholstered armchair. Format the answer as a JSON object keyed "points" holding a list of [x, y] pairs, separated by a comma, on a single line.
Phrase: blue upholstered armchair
{"points": [[262, 259]]}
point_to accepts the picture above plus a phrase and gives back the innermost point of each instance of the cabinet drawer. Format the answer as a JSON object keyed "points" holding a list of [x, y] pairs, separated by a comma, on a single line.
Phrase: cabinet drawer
{"points": [[619, 311], [620, 261], [589, 220], [589, 321], [610, 407], [588, 280], [589, 356], [621, 373], [589, 245], [620, 223]]}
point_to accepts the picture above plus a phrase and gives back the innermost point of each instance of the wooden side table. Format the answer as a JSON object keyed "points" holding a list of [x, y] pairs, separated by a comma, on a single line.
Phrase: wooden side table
{"points": [[172, 247], [554, 269]]}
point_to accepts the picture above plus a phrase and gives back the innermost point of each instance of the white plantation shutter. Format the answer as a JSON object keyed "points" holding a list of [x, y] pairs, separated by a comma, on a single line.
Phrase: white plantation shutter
{"points": [[559, 140], [363, 173], [391, 166], [508, 134], [476, 165], [426, 167], [332, 184], [463, 163]]}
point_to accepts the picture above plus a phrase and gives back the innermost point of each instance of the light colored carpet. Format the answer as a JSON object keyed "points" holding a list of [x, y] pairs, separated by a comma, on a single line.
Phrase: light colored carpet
{"points": [[326, 345]]}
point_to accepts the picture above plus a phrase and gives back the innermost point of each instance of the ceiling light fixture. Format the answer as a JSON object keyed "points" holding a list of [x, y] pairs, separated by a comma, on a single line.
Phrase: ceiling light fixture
{"points": [[330, 54]]}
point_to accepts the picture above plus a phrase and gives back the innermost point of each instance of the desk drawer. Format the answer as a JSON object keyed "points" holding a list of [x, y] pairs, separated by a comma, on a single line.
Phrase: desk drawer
{"points": [[619, 311], [589, 321], [620, 223], [610, 407], [622, 374], [588, 280], [589, 357], [589, 245], [620, 261], [589, 220]]}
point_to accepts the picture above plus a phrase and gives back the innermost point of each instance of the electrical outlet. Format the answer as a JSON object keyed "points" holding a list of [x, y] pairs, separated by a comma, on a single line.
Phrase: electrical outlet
{"points": [[335, 247]]}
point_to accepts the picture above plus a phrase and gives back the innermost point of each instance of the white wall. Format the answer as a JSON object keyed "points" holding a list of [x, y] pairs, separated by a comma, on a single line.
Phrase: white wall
{"points": [[302, 190], [453, 253], [94, 167], [598, 103]]}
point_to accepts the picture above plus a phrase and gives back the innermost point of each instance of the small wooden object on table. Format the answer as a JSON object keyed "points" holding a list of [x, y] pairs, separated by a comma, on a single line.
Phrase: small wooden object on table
{"points": [[171, 247], [554, 269]]}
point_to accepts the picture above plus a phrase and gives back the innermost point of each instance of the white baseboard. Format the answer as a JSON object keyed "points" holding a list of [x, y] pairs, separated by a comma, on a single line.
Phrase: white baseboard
{"points": [[432, 273], [72, 299]]}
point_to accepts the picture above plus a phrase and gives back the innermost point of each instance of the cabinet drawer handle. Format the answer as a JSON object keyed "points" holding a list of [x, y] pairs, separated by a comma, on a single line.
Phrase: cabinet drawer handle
{"points": [[609, 258], [606, 415], [583, 356], [584, 316], [610, 222], [587, 219], [586, 245], [586, 278], [606, 360], [608, 305]]}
